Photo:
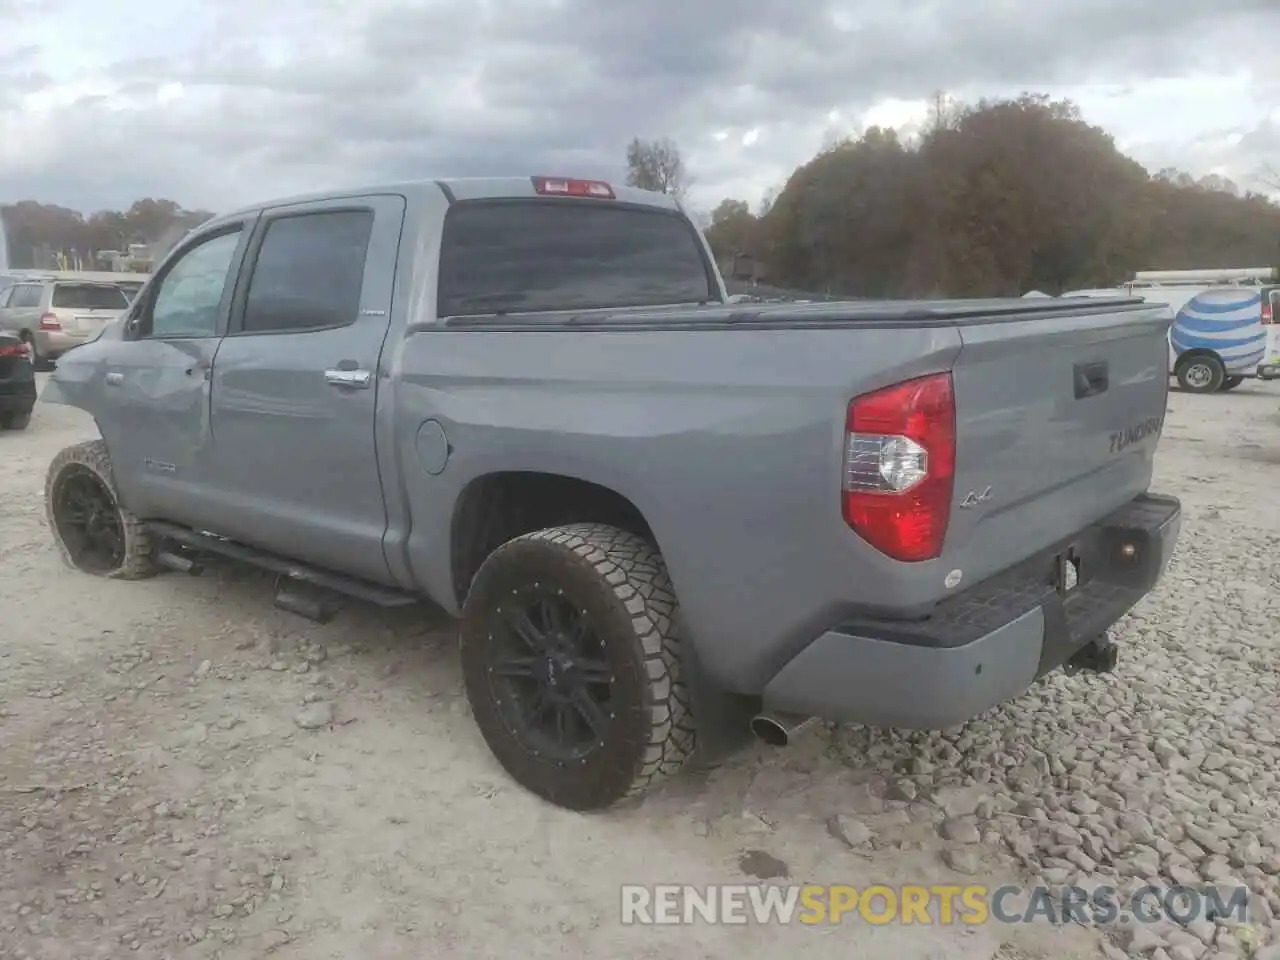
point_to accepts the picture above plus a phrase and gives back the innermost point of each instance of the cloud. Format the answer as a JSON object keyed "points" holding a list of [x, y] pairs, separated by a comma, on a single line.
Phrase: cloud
{"points": [[215, 104]]}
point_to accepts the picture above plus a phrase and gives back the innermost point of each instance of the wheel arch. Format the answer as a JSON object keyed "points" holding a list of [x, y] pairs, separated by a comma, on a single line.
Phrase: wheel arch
{"points": [[499, 506], [1196, 353]]}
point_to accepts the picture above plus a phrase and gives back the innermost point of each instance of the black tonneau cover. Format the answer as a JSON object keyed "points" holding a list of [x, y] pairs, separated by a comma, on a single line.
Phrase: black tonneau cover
{"points": [[765, 316]]}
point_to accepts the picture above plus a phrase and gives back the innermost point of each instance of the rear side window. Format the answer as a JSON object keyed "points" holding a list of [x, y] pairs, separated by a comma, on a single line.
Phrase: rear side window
{"points": [[309, 272], [513, 256], [26, 295], [85, 296]]}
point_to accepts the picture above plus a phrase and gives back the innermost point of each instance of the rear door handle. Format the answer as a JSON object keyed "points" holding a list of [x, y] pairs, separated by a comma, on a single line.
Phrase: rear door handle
{"points": [[1091, 379], [356, 379], [115, 379]]}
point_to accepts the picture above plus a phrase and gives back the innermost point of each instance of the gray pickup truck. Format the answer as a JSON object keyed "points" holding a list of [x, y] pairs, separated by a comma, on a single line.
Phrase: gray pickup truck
{"points": [[664, 520]]}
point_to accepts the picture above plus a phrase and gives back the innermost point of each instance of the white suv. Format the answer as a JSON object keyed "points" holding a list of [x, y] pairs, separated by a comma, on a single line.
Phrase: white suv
{"points": [[53, 316]]}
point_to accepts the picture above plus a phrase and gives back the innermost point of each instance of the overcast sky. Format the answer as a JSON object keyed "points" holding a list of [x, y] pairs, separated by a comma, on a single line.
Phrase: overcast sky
{"points": [[214, 103]]}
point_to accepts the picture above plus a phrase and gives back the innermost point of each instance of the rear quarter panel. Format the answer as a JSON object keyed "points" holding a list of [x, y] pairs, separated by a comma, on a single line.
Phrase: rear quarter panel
{"points": [[730, 442]]}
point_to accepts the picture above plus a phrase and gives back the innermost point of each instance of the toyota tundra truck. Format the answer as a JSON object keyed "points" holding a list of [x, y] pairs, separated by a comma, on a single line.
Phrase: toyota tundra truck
{"points": [[664, 520]]}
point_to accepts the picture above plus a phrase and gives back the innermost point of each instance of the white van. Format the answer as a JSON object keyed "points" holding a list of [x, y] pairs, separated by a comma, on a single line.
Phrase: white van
{"points": [[1223, 328]]}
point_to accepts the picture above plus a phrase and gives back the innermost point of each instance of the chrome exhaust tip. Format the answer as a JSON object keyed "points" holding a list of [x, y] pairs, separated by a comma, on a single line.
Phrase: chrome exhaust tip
{"points": [[777, 729]]}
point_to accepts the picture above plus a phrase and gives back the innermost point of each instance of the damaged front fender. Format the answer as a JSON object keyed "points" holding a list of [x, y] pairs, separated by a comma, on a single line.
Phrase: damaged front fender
{"points": [[77, 378]]}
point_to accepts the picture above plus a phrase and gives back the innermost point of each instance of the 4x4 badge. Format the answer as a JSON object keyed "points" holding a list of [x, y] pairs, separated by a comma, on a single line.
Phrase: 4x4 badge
{"points": [[973, 498]]}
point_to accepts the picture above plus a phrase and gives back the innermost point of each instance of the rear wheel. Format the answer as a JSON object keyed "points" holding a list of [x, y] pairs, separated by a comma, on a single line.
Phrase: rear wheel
{"points": [[93, 532], [1202, 373], [15, 421], [1230, 383], [571, 658]]}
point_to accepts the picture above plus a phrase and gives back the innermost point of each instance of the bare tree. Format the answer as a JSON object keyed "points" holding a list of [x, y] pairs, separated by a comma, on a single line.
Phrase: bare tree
{"points": [[1269, 177], [656, 165], [944, 114]]}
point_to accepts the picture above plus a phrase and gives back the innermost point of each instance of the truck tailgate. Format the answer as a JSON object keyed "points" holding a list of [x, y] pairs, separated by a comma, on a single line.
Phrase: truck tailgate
{"points": [[1057, 420]]}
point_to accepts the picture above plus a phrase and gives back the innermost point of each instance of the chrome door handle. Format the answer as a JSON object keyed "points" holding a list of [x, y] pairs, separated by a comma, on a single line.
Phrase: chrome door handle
{"points": [[359, 379], [115, 379]]}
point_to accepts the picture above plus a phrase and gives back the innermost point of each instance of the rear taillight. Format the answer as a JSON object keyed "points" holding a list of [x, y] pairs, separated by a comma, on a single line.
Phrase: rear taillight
{"points": [[561, 187], [16, 350], [1268, 315], [900, 453], [49, 321]]}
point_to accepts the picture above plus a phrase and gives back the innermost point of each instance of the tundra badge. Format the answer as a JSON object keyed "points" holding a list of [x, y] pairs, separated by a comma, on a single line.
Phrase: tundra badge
{"points": [[1136, 433]]}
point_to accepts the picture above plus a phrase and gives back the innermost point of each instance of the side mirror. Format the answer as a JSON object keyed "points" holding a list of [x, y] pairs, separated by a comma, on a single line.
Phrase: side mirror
{"points": [[133, 322]]}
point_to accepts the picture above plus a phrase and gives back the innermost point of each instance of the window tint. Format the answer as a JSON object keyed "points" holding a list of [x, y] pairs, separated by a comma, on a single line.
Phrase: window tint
{"points": [[309, 272], [530, 255], [26, 295], [186, 304], [88, 296]]}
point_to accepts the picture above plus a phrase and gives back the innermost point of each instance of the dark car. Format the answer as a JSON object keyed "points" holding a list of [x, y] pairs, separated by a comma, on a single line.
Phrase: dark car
{"points": [[17, 383]]}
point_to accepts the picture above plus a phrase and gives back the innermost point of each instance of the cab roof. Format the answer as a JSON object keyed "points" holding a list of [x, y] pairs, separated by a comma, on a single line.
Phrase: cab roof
{"points": [[456, 188]]}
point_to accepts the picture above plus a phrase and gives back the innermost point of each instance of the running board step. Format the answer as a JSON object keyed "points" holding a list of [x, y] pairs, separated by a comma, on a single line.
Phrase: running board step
{"points": [[285, 569], [316, 604]]}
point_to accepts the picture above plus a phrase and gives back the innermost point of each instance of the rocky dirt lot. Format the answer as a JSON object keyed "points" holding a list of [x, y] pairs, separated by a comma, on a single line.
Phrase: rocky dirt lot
{"points": [[187, 772]]}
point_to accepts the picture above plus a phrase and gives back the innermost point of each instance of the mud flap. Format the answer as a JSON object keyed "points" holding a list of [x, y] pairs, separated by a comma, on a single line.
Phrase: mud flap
{"points": [[722, 718]]}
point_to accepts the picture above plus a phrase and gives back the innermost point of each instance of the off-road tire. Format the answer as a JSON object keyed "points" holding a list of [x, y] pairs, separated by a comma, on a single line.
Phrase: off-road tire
{"points": [[1190, 381], [621, 583], [1230, 383], [15, 421], [139, 548]]}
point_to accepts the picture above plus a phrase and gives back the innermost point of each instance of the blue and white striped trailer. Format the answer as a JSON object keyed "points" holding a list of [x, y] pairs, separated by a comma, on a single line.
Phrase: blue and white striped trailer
{"points": [[1218, 338], [1222, 331]]}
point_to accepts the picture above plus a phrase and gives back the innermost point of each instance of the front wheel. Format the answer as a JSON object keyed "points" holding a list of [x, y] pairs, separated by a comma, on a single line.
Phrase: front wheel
{"points": [[571, 659], [93, 532], [1203, 373], [1231, 383]]}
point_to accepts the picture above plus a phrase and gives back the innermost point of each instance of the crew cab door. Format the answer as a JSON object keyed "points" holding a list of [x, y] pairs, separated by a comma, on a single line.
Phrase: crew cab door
{"points": [[154, 412], [296, 383]]}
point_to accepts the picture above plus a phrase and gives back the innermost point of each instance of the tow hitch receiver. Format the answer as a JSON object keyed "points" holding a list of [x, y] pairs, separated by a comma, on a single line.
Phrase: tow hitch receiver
{"points": [[1098, 656]]}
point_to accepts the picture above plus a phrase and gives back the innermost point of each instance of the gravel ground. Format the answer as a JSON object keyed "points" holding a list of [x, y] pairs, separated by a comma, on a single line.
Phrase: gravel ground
{"points": [[187, 772]]}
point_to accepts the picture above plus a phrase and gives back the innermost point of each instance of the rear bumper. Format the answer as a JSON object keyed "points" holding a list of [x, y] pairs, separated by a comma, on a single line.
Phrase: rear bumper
{"points": [[989, 643]]}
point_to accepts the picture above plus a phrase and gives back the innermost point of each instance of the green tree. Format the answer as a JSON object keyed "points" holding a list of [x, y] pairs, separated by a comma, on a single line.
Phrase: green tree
{"points": [[732, 230], [999, 198]]}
